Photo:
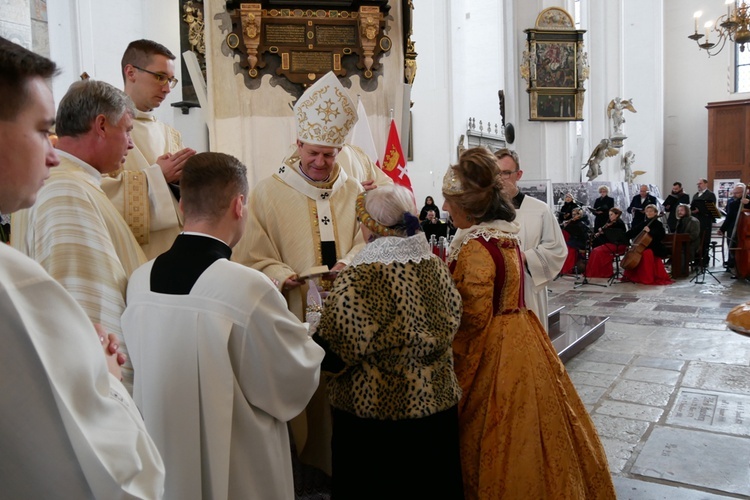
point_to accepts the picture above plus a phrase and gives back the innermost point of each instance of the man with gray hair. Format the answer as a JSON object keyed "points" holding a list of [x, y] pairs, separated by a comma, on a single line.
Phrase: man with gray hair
{"points": [[73, 230]]}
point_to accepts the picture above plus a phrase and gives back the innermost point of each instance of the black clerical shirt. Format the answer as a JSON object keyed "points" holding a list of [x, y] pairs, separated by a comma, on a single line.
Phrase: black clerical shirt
{"points": [[175, 271]]}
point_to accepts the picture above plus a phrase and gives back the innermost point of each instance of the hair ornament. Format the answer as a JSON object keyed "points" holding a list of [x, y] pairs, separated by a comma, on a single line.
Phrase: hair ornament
{"points": [[451, 183]]}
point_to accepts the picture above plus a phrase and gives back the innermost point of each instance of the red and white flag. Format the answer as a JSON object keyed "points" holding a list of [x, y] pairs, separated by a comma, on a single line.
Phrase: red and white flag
{"points": [[362, 135], [394, 161]]}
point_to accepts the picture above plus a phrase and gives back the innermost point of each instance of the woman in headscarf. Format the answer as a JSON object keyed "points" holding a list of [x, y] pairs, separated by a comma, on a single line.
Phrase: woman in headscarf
{"points": [[387, 327]]}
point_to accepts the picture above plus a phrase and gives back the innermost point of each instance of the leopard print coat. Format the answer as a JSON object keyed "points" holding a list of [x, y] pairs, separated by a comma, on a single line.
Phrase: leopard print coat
{"points": [[392, 324]]}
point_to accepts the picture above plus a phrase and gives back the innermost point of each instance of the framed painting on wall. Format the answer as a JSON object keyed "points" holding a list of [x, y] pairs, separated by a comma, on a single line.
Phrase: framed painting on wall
{"points": [[555, 67]]}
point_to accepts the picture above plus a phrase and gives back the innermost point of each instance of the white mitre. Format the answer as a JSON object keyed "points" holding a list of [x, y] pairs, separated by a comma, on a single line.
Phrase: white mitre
{"points": [[325, 113]]}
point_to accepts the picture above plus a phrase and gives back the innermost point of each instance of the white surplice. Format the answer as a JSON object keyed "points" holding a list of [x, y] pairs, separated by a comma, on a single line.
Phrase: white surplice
{"points": [[545, 250], [68, 429], [219, 373]]}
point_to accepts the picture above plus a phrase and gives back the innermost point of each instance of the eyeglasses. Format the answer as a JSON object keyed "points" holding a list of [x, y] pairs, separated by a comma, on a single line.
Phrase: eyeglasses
{"points": [[505, 174], [161, 78]]}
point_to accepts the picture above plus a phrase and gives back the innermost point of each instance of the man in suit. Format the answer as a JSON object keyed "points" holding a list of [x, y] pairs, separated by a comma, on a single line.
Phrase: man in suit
{"points": [[638, 203], [699, 209]]}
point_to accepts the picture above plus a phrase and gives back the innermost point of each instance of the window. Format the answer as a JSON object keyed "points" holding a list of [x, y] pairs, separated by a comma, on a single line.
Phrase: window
{"points": [[741, 69]]}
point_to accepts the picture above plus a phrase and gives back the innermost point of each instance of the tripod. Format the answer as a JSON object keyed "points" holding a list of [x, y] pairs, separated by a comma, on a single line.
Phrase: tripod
{"points": [[703, 268], [585, 280], [701, 273]]}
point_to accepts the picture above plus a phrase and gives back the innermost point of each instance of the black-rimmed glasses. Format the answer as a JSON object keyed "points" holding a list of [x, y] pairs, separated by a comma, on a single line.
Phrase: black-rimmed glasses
{"points": [[161, 78]]}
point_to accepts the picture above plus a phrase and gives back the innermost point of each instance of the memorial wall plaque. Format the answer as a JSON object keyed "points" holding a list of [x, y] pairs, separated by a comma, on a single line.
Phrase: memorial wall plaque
{"points": [[309, 42]]}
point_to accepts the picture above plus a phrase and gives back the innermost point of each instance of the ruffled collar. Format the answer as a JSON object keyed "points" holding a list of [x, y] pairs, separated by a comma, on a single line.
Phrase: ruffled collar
{"points": [[487, 230], [390, 249]]}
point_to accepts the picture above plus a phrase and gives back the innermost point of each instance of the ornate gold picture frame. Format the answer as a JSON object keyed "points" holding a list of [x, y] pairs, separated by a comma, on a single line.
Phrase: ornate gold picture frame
{"points": [[555, 67]]}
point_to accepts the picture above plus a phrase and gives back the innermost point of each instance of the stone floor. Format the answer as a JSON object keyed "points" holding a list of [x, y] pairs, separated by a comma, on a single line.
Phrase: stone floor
{"points": [[667, 385]]}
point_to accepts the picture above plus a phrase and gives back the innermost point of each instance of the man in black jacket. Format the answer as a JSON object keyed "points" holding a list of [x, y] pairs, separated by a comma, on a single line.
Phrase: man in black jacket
{"points": [[640, 202]]}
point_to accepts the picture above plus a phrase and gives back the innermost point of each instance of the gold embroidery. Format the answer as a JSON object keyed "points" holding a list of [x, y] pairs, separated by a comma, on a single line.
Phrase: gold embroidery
{"points": [[136, 211]]}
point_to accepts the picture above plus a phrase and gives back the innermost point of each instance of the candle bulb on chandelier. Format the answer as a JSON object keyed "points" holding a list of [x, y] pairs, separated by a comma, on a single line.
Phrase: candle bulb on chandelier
{"points": [[729, 9], [697, 16], [708, 29]]}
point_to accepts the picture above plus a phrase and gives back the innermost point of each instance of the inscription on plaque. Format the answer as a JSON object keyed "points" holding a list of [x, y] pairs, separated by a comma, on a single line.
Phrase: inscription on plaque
{"points": [[284, 34], [712, 410], [311, 62], [335, 35]]}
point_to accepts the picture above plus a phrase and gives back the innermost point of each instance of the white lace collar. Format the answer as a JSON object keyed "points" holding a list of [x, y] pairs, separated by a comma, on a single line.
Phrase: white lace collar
{"points": [[487, 230], [390, 249]]}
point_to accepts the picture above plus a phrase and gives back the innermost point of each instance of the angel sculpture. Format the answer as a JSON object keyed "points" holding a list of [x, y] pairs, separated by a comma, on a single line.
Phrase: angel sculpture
{"points": [[614, 112], [601, 151], [627, 161]]}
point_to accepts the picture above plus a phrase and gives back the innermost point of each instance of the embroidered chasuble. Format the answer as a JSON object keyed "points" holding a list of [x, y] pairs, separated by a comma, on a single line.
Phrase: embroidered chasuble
{"points": [[81, 240], [222, 365], [292, 223], [139, 190]]}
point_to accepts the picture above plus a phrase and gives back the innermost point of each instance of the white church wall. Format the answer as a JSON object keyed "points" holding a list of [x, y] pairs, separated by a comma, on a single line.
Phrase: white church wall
{"points": [[91, 36], [692, 80], [460, 72]]}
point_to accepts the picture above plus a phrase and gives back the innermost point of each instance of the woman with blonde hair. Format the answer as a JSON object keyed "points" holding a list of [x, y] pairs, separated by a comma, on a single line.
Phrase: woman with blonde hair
{"points": [[524, 431], [387, 328]]}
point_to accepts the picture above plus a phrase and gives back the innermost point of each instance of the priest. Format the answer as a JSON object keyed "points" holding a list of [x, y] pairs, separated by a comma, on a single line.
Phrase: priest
{"points": [[73, 230], [542, 243], [302, 221], [303, 216], [221, 363], [146, 189]]}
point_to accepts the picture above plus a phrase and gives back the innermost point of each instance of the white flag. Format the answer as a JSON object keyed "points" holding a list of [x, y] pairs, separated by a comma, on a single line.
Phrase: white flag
{"points": [[362, 135]]}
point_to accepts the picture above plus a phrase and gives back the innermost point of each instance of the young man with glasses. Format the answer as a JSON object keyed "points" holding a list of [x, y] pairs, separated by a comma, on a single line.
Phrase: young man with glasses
{"points": [[146, 190], [543, 245]]}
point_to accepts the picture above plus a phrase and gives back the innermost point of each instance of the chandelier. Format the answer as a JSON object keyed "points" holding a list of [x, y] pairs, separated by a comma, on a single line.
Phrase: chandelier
{"points": [[734, 26]]}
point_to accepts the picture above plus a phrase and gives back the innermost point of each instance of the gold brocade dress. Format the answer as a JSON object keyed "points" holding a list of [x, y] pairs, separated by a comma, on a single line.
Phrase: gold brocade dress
{"points": [[524, 431]]}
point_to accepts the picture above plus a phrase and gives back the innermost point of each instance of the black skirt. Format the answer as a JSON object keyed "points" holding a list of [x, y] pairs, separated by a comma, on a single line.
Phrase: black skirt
{"points": [[396, 459]]}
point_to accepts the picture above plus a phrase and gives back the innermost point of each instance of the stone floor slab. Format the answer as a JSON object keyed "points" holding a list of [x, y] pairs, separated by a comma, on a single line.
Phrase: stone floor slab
{"points": [[643, 393], [589, 394], [718, 377], [635, 489], [653, 375], [630, 410], [622, 429], [662, 363], [593, 354], [592, 379], [618, 453], [697, 458], [677, 309], [583, 365], [714, 411]]}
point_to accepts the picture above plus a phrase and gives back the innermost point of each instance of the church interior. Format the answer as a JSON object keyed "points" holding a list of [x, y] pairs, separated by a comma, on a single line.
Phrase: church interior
{"points": [[666, 382]]}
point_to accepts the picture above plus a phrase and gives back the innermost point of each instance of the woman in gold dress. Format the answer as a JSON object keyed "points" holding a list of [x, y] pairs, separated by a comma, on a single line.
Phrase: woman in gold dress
{"points": [[524, 431]]}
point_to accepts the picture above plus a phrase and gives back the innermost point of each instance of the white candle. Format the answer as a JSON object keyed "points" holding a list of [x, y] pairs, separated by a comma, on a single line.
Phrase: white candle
{"points": [[697, 15], [729, 8]]}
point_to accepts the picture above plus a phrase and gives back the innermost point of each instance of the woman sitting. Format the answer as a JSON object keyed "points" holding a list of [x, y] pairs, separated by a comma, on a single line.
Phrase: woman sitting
{"points": [[566, 210], [387, 327], [650, 269], [577, 238], [609, 241]]}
